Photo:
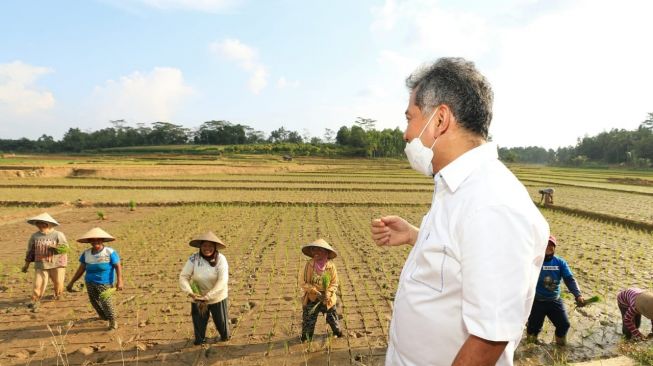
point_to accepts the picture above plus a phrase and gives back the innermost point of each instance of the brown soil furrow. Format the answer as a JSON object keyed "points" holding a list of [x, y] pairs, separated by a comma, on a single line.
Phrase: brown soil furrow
{"points": [[199, 188]]}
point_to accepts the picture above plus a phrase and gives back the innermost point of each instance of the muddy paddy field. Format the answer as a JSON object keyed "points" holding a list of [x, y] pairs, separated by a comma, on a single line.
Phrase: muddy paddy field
{"points": [[265, 210]]}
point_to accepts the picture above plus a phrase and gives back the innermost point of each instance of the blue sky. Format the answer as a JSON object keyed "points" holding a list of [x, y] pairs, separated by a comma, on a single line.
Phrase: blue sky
{"points": [[560, 69]]}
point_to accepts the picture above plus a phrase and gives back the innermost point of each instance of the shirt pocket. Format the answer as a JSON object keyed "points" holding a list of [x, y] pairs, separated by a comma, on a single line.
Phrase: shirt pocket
{"points": [[430, 262]]}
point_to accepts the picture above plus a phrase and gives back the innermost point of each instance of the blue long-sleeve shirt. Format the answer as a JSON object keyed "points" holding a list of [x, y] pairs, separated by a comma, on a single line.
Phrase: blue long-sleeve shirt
{"points": [[548, 284]]}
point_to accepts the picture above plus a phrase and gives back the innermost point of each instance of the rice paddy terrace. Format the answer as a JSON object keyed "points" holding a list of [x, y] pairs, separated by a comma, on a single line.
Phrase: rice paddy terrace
{"points": [[265, 210]]}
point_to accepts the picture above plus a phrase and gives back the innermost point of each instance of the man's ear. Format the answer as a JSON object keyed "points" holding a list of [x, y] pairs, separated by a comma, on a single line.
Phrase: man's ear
{"points": [[444, 118]]}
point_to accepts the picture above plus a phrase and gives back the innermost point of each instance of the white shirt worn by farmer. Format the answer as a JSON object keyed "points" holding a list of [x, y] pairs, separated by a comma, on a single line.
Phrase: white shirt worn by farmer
{"points": [[212, 281], [474, 266]]}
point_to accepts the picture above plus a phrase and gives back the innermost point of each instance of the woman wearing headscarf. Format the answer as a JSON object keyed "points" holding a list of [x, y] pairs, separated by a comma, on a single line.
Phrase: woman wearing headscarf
{"points": [[319, 283], [47, 248], [99, 262], [204, 278]]}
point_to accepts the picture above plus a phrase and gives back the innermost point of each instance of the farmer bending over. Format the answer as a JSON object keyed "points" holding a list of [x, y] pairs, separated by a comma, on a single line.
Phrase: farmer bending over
{"points": [[547, 196], [633, 303]]}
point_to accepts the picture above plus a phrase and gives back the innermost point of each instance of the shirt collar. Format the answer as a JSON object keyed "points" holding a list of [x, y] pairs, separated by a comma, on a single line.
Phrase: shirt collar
{"points": [[455, 173]]}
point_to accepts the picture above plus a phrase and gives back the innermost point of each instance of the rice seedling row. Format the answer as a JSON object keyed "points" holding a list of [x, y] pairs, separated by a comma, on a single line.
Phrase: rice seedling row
{"points": [[643, 190], [252, 180], [622, 205], [32, 195], [223, 188]]}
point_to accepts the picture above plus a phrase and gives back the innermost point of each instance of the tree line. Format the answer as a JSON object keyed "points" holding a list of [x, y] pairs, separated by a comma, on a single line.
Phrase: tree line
{"points": [[615, 147], [360, 139], [632, 148]]}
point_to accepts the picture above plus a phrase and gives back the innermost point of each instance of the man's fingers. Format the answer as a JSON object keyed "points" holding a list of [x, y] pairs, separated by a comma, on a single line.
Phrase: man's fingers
{"points": [[379, 230], [391, 220], [379, 236], [381, 233], [382, 240]]}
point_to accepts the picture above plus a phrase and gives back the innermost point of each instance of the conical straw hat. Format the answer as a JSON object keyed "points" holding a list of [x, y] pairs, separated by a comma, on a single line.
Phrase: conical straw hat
{"points": [[319, 243], [207, 236], [44, 217], [96, 233], [644, 304]]}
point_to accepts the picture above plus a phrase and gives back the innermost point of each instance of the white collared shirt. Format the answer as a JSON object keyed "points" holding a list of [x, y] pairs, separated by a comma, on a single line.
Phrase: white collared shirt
{"points": [[474, 266]]}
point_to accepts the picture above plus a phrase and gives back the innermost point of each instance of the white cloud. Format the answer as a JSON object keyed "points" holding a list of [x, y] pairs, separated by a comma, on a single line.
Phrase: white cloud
{"points": [[138, 97], [385, 16], [246, 58], [578, 71], [398, 64], [18, 93], [559, 70], [210, 6], [427, 27], [283, 83]]}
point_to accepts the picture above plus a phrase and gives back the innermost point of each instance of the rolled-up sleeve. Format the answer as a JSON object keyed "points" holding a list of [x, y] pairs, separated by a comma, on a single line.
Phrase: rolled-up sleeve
{"points": [[498, 248]]}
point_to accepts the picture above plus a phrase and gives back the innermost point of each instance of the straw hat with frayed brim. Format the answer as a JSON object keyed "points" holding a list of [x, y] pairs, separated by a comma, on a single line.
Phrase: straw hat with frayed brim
{"points": [[208, 236], [44, 217], [644, 304], [319, 243], [96, 233]]}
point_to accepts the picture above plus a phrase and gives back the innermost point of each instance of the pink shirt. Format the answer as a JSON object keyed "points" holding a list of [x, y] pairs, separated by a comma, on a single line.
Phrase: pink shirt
{"points": [[626, 299]]}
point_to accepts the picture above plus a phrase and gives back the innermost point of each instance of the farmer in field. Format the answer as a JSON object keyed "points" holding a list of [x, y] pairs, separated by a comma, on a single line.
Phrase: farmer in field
{"points": [[99, 262], [547, 301], [546, 196], [319, 283], [204, 278], [47, 248], [633, 303], [467, 286]]}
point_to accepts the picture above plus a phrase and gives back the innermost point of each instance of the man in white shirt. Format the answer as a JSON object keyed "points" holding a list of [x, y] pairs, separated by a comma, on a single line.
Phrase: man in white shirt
{"points": [[467, 286]]}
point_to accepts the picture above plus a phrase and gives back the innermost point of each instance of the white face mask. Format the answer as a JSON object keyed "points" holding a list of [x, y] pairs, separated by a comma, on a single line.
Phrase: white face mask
{"points": [[419, 156]]}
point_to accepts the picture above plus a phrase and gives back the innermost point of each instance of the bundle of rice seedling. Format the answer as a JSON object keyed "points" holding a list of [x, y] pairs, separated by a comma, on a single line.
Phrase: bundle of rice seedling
{"points": [[593, 299], [107, 294], [326, 281], [62, 249], [194, 287], [201, 305]]}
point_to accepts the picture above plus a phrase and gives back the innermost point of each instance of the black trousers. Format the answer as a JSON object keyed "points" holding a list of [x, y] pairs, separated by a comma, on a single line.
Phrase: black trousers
{"points": [[220, 318], [309, 318], [554, 310]]}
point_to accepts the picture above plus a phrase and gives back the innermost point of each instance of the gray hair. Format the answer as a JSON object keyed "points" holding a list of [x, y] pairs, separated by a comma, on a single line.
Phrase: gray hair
{"points": [[457, 83]]}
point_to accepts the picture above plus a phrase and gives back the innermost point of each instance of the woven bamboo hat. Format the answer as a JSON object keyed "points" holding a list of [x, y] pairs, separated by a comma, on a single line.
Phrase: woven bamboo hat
{"points": [[644, 304], [44, 217], [207, 236], [96, 233], [319, 243]]}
